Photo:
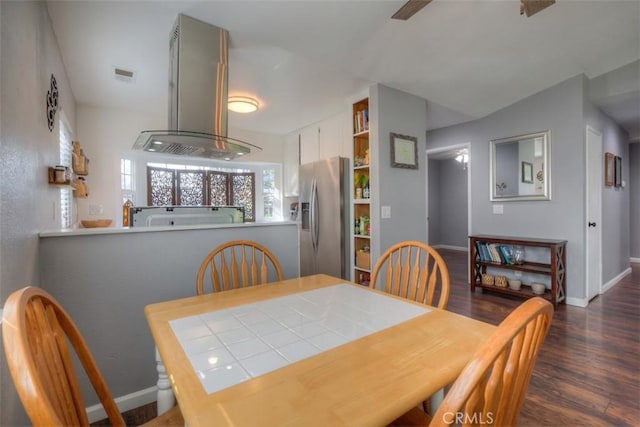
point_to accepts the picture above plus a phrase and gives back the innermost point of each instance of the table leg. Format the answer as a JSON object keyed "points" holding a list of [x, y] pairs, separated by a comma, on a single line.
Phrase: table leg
{"points": [[165, 400], [435, 400]]}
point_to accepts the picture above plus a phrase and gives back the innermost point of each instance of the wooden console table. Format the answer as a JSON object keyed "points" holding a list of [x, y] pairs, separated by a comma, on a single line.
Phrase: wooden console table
{"points": [[555, 268]]}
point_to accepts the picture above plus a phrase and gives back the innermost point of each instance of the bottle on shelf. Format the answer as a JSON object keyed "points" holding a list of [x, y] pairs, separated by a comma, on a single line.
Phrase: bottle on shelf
{"points": [[356, 229], [126, 207]]}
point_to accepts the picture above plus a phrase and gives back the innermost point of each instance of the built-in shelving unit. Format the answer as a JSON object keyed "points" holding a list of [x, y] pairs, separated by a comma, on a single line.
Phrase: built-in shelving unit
{"points": [[555, 269], [362, 193]]}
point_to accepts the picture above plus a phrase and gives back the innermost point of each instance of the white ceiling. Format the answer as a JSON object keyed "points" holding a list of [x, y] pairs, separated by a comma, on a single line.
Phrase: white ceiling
{"points": [[305, 60]]}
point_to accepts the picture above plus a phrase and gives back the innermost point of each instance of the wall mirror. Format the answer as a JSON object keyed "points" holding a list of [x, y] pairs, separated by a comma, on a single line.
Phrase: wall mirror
{"points": [[519, 168]]}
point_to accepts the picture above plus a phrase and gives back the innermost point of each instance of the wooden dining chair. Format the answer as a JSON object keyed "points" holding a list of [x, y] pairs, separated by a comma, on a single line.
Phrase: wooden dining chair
{"points": [[238, 264], [491, 388], [39, 341], [413, 270]]}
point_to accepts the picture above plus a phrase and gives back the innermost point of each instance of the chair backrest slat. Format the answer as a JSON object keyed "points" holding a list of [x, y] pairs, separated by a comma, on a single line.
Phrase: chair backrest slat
{"points": [[250, 264], [413, 270], [39, 340], [494, 383]]}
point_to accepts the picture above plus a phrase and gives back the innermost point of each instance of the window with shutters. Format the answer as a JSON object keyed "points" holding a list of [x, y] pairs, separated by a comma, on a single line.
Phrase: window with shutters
{"points": [[183, 185], [66, 194], [269, 191], [127, 181]]}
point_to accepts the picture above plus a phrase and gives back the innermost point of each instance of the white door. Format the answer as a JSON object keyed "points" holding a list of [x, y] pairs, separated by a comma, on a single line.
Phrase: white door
{"points": [[593, 224]]}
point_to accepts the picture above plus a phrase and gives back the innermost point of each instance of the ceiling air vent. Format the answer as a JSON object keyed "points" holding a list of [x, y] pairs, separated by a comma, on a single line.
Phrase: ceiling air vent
{"points": [[123, 75]]}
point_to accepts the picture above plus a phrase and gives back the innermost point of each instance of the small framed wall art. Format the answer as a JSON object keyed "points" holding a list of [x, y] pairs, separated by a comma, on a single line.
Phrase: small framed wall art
{"points": [[618, 172], [609, 172], [527, 173], [404, 151]]}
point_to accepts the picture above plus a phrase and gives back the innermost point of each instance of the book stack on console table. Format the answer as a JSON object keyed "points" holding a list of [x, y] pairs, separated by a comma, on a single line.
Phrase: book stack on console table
{"points": [[494, 252]]}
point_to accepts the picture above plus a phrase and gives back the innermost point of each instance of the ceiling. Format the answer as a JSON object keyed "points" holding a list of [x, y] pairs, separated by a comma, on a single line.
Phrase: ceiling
{"points": [[305, 60]]}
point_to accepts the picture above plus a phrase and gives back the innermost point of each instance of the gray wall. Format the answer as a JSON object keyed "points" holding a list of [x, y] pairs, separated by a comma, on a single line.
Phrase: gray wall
{"points": [[434, 201], [29, 55], [402, 189], [558, 109], [615, 200], [453, 204], [448, 210], [634, 198], [508, 155], [105, 281], [565, 111]]}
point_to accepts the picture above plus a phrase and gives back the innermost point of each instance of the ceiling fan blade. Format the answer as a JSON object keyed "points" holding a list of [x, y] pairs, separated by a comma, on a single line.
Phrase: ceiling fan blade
{"points": [[409, 9], [529, 7]]}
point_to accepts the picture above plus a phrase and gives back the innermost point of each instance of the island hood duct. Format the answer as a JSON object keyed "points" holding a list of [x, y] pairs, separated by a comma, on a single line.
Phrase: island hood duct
{"points": [[198, 87]]}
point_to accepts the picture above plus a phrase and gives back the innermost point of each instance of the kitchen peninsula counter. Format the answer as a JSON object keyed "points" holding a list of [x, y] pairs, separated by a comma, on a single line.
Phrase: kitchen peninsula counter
{"points": [[118, 230], [104, 277]]}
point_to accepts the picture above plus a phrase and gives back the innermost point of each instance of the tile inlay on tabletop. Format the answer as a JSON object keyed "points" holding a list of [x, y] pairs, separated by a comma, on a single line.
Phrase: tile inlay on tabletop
{"points": [[229, 346]]}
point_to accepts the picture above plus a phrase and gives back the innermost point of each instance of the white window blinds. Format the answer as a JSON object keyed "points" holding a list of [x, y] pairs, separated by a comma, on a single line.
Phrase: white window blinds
{"points": [[66, 196]]}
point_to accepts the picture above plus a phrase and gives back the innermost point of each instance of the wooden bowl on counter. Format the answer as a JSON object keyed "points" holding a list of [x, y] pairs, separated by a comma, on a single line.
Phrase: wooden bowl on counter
{"points": [[95, 223]]}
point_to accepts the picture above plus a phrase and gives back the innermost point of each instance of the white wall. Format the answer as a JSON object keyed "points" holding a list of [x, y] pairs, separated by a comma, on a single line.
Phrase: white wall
{"points": [[29, 55], [107, 135]]}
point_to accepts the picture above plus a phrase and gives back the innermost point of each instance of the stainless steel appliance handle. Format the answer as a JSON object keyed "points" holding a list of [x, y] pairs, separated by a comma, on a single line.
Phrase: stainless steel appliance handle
{"points": [[312, 214], [316, 214]]}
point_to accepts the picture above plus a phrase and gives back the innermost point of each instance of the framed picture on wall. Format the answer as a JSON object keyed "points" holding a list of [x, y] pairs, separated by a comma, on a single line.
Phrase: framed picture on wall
{"points": [[404, 151], [618, 173], [609, 172], [527, 172]]}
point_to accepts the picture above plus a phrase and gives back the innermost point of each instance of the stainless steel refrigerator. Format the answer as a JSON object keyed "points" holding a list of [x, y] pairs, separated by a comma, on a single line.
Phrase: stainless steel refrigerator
{"points": [[324, 217]]}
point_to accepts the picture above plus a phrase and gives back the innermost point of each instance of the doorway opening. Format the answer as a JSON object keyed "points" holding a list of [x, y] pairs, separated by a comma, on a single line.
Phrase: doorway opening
{"points": [[448, 184]]}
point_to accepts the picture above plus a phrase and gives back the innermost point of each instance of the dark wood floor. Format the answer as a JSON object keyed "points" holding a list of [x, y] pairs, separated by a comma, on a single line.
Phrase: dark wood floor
{"points": [[588, 370]]}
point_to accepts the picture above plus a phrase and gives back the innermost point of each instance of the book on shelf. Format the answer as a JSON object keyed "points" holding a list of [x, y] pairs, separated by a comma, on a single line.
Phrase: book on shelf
{"points": [[361, 121], [494, 253]]}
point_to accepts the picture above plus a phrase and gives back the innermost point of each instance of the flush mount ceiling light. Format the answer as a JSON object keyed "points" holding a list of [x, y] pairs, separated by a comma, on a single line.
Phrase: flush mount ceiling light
{"points": [[242, 104]]}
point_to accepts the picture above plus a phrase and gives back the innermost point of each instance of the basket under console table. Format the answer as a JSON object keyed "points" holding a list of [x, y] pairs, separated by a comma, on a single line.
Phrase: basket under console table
{"points": [[555, 268]]}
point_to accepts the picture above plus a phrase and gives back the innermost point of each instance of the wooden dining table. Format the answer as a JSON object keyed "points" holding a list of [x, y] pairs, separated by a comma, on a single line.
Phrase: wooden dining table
{"points": [[363, 375]]}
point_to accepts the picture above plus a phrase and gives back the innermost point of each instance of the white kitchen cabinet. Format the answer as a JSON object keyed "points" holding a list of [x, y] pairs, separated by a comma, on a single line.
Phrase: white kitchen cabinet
{"points": [[335, 136], [291, 164], [327, 138], [309, 147]]}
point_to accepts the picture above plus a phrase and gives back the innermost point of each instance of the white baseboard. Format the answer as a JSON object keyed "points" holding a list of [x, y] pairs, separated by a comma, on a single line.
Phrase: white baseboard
{"points": [[125, 403], [634, 260], [453, 248], [577, 302], [611, 283]]}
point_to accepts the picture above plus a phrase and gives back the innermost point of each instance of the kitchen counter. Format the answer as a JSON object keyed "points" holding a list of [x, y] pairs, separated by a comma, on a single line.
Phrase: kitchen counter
{"points": [[104, 277], [118, 230]]}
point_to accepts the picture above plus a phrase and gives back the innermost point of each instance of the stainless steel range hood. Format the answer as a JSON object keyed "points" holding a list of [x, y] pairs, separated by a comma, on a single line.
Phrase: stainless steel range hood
{"points": [[198, 87]]}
